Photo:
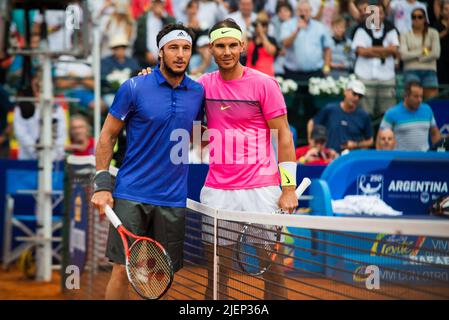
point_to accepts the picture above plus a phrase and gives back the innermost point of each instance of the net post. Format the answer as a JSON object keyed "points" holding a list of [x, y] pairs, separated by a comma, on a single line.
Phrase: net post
{"points": [[215, 259]]}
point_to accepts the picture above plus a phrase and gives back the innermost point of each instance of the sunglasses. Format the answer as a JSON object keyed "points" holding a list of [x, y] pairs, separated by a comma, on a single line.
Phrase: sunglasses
{"points": [[415, 17], [357, 94], [264, 24]]}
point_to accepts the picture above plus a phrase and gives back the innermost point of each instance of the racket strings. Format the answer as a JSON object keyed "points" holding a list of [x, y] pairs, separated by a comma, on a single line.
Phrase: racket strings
{"points": [[149, 269], [258, 247]]}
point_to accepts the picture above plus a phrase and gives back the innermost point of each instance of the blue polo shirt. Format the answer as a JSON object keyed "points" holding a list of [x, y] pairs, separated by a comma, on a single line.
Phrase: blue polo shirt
{"points": [[306, 53], [344, 126], [152, 110]]}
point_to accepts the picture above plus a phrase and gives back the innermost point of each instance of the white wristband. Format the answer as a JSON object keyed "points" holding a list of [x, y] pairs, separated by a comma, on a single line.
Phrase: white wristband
{"points": [[288, 172]]}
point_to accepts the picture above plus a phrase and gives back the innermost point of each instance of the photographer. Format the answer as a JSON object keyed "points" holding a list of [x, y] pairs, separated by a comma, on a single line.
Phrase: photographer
{"points": [[316, 152], [262, 49]]}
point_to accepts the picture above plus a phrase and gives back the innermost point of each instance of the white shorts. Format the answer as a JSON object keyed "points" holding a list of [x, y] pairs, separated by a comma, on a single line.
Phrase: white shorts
{"points": [[264, 199]]}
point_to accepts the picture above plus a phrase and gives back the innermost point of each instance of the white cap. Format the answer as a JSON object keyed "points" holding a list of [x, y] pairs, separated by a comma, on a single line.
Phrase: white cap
{"points": [[118, 40], [357, 86]]}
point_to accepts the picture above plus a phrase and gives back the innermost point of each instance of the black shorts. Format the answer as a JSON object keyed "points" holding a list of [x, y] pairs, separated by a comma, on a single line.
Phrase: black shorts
{"points": [[163, 224]]}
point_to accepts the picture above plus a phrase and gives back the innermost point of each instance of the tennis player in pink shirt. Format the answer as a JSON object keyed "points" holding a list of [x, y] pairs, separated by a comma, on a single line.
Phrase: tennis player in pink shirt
{"points": [[242, 106]]}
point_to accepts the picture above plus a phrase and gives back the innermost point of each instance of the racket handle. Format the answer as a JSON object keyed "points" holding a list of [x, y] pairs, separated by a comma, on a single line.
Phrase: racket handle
{"points": [[112, 216], [305, 183]]}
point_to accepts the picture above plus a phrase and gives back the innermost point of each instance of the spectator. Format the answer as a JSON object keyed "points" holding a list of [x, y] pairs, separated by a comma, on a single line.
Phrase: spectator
{"points": [[385, 140], [316, 152], [208, 13], [420, 49], [284, 12], [342, 54], [193, 21], [245, 16], [18, 65], [120, 21], [5, 128], [308, 45], [434, 10], [325, 10], [435, 14], [179, 9], [349, 10], [412, 121], [139, 7], [443, 28], [308, 54], [401, 11], [148, 26], [118, 61], [376, 48], [81, 141], [202, 61], [358, 11], [27, 126], [262, 49], [75, 80], [349, 126], [271, 6]]}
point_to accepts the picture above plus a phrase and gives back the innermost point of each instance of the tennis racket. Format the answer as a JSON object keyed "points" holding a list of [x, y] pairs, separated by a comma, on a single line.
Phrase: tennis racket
{"points": [[256, 249], [148, 266]]}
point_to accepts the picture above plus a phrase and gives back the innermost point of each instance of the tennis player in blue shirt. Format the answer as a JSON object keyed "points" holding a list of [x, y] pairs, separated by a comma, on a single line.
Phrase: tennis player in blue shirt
{"points": [[150, 191]]}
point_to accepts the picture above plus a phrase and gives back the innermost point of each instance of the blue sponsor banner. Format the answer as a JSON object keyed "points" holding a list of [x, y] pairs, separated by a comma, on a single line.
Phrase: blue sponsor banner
{"points": [[440, 110], [399, 258], [78, 226], [407, 181]]}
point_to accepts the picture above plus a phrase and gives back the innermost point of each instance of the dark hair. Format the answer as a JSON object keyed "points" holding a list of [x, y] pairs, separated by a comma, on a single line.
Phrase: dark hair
{"points": [[173, 26], [359, 2], [381, 4], [227, 23], [344, 6], [283, 4], [409, 85], [191, 3]]}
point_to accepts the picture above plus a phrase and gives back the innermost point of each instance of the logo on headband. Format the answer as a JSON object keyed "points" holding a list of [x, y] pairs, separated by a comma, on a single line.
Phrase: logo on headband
{"points": [[223, 32], [181, 34]]}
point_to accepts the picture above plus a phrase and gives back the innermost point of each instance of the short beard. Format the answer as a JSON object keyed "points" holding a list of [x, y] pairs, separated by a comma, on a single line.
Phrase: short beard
{"points": [[172, 72]]}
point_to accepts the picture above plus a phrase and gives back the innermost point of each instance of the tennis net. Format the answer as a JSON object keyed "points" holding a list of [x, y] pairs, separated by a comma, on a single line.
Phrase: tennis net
{"points": [[241, 255], [229, 255]]}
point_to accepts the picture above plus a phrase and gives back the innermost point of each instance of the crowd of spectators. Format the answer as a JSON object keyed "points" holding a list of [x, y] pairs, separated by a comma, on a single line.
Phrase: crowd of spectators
{"points": [[298, 40]]}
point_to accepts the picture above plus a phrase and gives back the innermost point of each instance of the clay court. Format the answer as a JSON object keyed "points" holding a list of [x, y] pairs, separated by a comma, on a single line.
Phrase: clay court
{"points": [[190, 284]]}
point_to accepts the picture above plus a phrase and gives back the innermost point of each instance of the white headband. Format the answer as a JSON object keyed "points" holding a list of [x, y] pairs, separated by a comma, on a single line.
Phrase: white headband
{"points": [[174, 35]]}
